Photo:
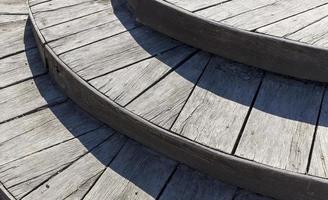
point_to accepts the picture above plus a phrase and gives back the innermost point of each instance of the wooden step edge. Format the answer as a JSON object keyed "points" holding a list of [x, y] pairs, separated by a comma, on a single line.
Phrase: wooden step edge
{"points": [[5, 194], [263, 179], [267, 52]]}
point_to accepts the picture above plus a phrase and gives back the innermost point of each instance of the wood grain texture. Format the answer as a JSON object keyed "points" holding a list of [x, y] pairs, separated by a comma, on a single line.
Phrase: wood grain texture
{"points": [[136, 173], [111, 54], [46, 6], [216, 110], [74, 178], [295, 23], [15, 37], [162, 103], [43, 129], [27, 96], [92, 35], [233, 8], [18, 173], [124, 85], [319, 161], [13, 7], [272, 13], [11, 18], [88, 22], [20, 67], [57, 16], [190, 184], [314, 34], [195, 4], [281, 126]]}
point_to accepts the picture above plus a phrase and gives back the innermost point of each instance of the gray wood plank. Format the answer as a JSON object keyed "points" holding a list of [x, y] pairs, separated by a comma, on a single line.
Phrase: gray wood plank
{"points": [[136, 173], [43, 129], [319, 161], [162, 103], [272, 13], [110, 54], [45, 6], [88, 22], [126, 84], [11, 18], [13, 7], [246, 195], [15, 37], [72, 179], [190, 184], [27, 96], [293, 24], [52, 159], [233, 8], [20, 67], [216, 110], [4, 194], [57, 16], [281, 126], [92, 35], [195, 4], [315, 34]]}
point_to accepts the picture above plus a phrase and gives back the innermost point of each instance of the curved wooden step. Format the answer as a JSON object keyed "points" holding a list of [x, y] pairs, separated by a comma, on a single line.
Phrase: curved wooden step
{"points": [[242, 125], [286, 37], [51, 149]]}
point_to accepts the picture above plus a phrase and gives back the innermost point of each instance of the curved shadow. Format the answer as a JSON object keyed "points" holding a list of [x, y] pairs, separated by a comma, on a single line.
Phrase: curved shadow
{"points": [[279, 95]]}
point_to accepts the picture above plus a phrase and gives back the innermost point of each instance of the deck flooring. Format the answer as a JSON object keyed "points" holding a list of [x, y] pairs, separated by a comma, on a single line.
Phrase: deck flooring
{"points": [[51, 149], [229, 107], [296, 20]]}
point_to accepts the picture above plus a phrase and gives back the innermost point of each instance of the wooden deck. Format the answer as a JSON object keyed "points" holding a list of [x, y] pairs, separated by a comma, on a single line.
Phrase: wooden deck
{"points": [[51, 149], [253, 128], [286, 37]]}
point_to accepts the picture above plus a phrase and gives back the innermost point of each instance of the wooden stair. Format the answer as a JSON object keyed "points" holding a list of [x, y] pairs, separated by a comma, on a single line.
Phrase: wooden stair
{"points": [[239, 124], [51, 149]]}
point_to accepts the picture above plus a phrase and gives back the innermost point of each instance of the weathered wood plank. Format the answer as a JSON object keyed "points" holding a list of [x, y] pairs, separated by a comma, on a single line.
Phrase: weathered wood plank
{"points": [[195, 4], [88, 22], [315, 34], [16, 37], [110, 54], [136, 173], [43, 129], [272, 13], [92, 35], [53, 159], [27, 96], [80, 172], [13, 7], [124, 85], [216, 110], [162, 103], [45, 6], [293, 24], [281, 126], [319, 160], [57, 16], [190, 184], [20, 67], [246, 195], [11, 18], [233, 8]]}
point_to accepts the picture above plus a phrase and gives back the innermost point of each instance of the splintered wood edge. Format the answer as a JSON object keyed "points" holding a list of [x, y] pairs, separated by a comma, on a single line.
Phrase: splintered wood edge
{"points": [[246, 174], [263, 51]]}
